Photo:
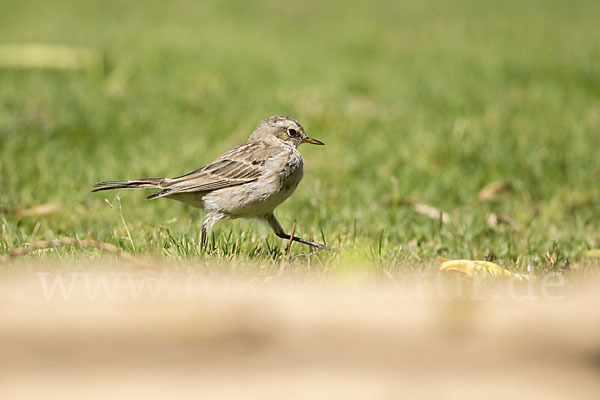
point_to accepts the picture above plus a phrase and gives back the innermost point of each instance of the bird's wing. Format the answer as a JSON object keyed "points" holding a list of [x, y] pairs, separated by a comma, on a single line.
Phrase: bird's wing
{"points": [[238, 166]]}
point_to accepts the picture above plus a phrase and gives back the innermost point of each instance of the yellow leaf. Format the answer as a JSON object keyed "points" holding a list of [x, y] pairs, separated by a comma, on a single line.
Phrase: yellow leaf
{"points": [[472, 268]]}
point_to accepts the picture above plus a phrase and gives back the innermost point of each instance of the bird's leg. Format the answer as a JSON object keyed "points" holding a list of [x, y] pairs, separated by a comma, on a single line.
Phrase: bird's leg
{"points": [[274, 224], [203, 240], [207, 225]]}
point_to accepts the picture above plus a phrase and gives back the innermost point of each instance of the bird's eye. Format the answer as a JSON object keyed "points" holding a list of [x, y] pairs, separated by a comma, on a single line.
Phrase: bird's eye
{"points": [[292, 132]]}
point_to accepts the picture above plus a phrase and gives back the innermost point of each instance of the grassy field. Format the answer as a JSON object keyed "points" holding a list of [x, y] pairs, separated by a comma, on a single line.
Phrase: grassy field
{"points": [[419, 103]]}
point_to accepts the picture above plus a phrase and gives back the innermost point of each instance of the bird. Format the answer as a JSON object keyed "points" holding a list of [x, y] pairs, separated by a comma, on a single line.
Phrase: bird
{"points": [[248, 181]]}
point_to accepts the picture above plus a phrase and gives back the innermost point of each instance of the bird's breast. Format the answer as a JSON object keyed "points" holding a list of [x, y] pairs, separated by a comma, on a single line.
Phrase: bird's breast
{"points": [[291, 173], [282, 174]]}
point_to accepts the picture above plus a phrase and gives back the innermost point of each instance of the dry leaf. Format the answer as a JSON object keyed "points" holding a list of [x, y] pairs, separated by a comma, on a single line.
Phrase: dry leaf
{"points": [[37, 211], [492, 221], [431, 212], [504, 217], [492, 190], [477, 267]]}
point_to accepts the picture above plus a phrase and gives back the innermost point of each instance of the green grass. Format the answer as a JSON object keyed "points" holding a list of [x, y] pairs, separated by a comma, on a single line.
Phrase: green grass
{"points": [[423, 100]]}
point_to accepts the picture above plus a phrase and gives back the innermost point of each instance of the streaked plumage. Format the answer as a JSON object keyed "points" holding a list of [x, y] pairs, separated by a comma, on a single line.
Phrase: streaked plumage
{"points": [[248, 181]]}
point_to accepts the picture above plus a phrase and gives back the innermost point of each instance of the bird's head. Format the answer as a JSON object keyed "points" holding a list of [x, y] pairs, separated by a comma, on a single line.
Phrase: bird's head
{"points": [[279, 129]]}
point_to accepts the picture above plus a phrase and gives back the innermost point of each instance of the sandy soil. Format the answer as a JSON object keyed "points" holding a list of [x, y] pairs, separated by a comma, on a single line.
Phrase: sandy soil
{"points": [[205, 335]]}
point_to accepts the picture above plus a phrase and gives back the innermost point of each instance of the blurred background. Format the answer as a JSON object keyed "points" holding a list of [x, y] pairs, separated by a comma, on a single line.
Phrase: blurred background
{"points": [[420, 103], [463, 129]]}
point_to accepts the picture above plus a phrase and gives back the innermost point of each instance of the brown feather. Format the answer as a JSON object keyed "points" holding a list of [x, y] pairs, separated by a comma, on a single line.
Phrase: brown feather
{"points": [[235, 167]]}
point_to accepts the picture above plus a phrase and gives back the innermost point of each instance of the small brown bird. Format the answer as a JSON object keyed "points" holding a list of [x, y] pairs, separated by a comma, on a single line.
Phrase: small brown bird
{"points": [[248, 181]]}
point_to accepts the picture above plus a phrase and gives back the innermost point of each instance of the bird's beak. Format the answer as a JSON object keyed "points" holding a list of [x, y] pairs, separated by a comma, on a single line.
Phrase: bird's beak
{"points": [[312, 141]]}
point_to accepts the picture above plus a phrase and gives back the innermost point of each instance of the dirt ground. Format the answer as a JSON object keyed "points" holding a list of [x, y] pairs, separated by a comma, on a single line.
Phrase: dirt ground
{"points": [[148, 334]]}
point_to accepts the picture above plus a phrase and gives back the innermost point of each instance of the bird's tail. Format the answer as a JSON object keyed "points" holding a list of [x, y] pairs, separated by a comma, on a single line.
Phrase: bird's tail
{"points": [[147, 183]]}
